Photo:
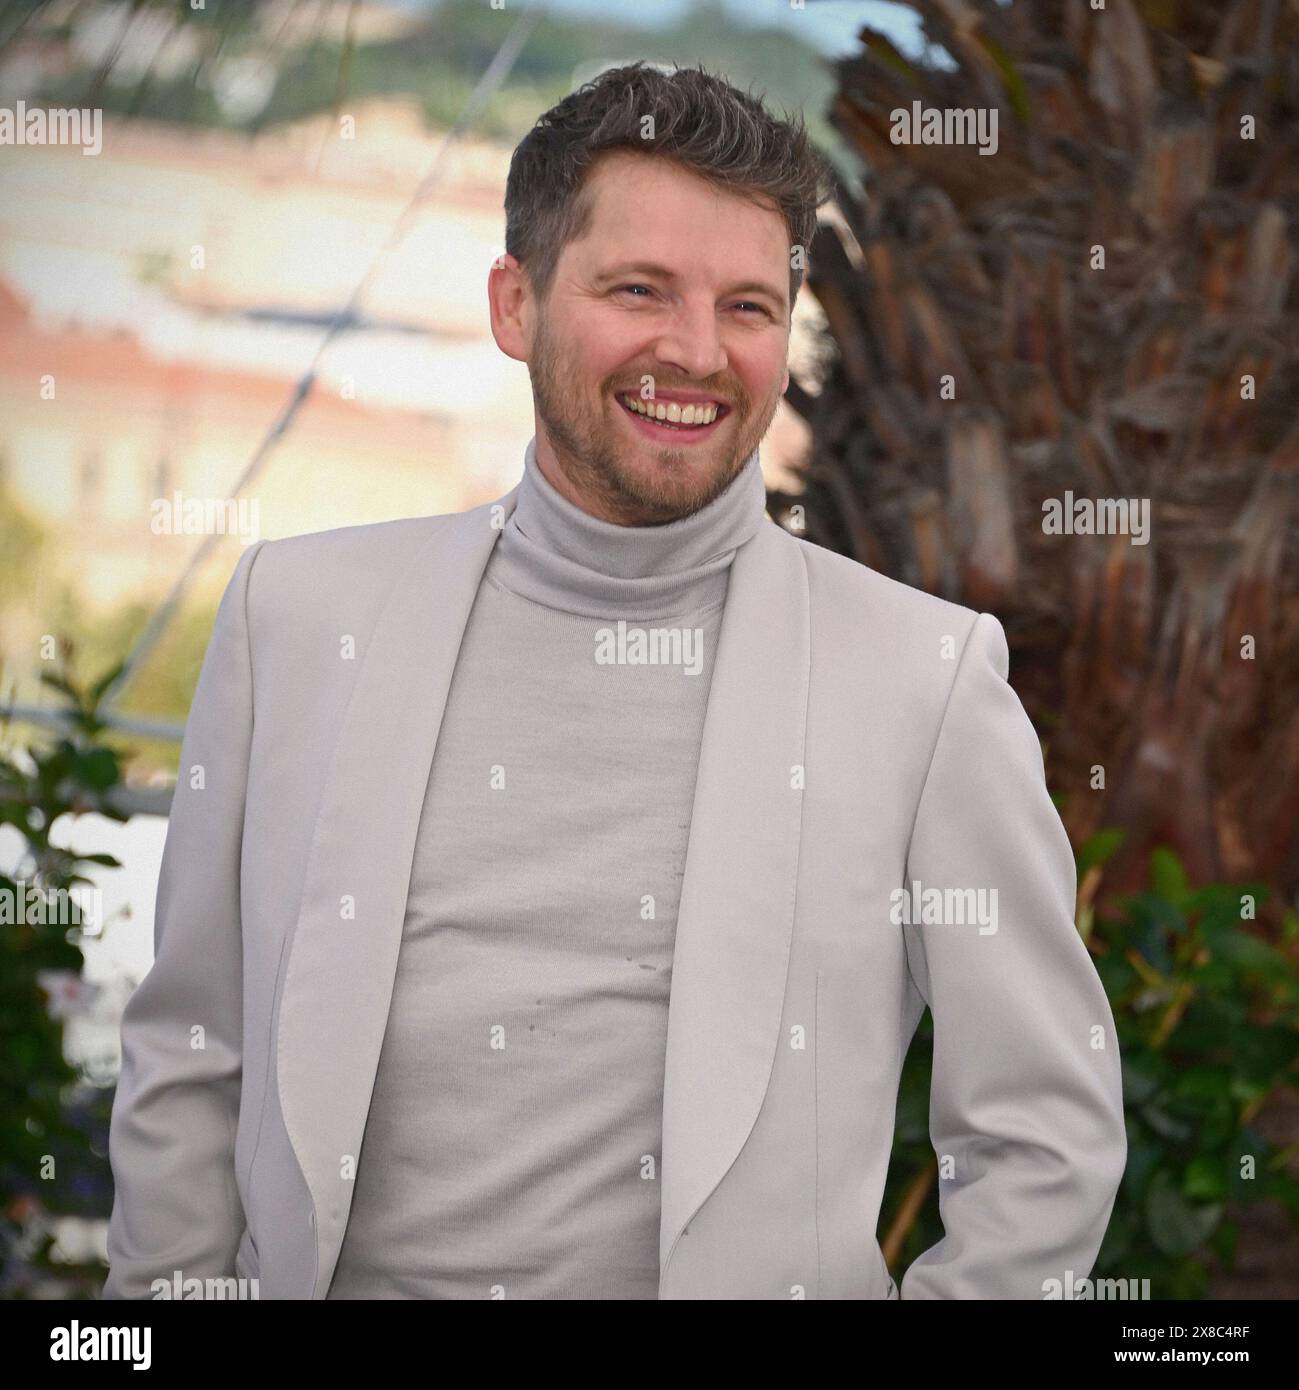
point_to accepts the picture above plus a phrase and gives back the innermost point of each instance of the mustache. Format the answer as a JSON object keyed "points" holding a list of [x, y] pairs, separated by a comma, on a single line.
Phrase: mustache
{"points": [[720, 396]]}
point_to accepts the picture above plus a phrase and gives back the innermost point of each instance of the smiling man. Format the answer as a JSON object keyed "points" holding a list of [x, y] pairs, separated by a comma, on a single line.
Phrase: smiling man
{"points": [[528, 923], [657, 341]]}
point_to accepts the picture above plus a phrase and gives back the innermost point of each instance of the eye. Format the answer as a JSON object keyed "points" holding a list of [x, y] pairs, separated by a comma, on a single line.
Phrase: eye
{"points": [[752, 306]]}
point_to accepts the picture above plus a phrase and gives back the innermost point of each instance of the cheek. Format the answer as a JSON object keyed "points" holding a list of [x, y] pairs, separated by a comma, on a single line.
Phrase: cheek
{"points": [[758, 355], [605, 347], [761, 371]]}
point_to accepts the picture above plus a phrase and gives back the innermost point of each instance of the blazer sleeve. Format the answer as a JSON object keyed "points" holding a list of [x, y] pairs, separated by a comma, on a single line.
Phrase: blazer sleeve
{"points": [[1026, 1100], [172, 1131]]}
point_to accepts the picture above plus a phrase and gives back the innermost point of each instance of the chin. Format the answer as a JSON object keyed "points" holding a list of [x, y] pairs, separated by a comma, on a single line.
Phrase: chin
{"points": [[675, 480]]}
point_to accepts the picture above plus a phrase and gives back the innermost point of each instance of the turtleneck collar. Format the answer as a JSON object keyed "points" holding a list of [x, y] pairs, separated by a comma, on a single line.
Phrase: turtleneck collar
{"points": [[553, 552]]}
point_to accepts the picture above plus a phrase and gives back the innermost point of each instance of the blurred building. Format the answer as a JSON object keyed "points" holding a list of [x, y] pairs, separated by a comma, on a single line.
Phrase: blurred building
{"points": [[159, 302]]}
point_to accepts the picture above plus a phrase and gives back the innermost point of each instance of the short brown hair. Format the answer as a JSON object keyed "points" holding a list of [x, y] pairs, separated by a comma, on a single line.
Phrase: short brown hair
{"points": [[699, 121]]}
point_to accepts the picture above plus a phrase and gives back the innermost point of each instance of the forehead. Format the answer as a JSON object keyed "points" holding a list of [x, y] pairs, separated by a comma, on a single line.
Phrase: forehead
{"points": [[649, 207]]}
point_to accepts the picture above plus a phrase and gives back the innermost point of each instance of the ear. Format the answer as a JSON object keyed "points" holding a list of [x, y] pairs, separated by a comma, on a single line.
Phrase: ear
{"points": [[507, 295]]}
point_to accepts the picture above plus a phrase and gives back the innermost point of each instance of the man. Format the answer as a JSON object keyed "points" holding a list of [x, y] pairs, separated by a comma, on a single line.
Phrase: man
{"points": [[536, 918]]}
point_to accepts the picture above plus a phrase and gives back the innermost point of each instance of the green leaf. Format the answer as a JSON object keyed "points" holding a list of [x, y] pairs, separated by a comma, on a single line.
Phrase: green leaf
{"points": [[97, 768], [1143, 1074], [1266, 1052], [59, 683], [1167, 1122], [1178, 1226], [1016, 92], [882, 48], [1168, 876], [102, 684], [1286, 1189], [1248, 952], [1144, 1157], [1204, 1180], [1223, 1243], [1157, 912], [1207, 1084], [1100, 848]]}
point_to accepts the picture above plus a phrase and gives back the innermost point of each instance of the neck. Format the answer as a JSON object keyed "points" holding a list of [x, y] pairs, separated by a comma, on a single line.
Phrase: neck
{"points": [[555, 552], [588, 489]]}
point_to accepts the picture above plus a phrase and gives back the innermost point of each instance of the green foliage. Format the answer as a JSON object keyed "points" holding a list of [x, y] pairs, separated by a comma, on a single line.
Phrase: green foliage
{"points": [[52, 1125], [1207, 1012], [20, 542], [1208, 1015], [163, 687]]}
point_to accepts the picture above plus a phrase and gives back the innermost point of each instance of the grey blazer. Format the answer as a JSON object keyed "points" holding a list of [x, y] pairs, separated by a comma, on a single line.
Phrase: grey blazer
{"points": [[860, 738]]}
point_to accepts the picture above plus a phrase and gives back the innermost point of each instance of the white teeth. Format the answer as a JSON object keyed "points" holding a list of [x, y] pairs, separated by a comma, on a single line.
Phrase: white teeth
{"points": [[673, 413]]}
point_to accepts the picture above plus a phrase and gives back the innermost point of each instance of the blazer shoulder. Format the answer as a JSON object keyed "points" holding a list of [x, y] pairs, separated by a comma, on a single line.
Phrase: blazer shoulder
{"points": [[382, 543], [331, 571], [302, 584], [899, 639], [849, 586]]}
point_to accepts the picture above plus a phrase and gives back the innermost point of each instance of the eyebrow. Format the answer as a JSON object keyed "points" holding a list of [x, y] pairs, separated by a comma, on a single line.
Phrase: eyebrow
{"points": [[662, 272]]}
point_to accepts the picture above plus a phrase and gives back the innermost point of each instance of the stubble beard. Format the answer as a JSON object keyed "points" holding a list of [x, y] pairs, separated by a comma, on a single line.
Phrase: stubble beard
{"points": [[596, 462]]}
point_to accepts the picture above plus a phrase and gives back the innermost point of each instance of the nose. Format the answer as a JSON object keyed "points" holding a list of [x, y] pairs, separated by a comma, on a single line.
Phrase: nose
{"points": [[690, 342]]}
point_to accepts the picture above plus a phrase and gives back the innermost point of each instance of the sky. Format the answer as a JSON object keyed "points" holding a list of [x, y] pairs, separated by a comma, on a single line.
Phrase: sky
{"points": [[830, 25]]}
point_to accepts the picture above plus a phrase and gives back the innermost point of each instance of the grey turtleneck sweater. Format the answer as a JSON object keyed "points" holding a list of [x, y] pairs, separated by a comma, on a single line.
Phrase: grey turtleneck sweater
{"points": [[513, 1138]]}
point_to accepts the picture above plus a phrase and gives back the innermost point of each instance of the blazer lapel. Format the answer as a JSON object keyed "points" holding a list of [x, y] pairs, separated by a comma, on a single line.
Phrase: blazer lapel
{"points": [[338, 982], [736, 912], [736, 915]]}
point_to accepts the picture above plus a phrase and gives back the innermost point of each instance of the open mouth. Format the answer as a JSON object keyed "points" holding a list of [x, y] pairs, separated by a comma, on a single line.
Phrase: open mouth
{"points": [[692, 421]]}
